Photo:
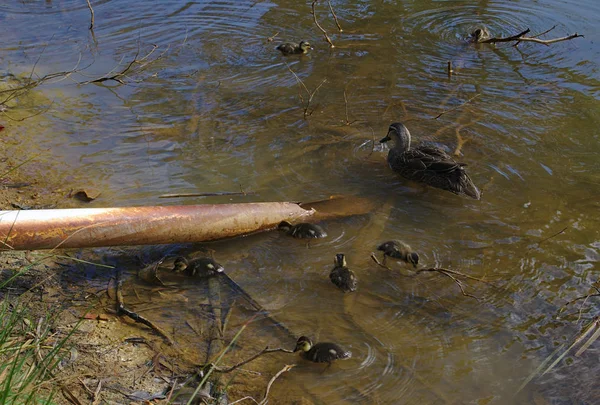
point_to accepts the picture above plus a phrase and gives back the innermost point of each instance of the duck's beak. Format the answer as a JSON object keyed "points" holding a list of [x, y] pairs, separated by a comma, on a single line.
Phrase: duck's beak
{"points": [[387, 138]]}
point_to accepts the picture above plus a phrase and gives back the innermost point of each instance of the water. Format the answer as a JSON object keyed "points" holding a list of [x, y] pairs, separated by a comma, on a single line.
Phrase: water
{"points": [[218, 108]]}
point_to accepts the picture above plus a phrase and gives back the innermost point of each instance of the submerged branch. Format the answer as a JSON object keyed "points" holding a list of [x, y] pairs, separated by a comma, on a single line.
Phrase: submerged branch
{"points": [[248, 360], [121, 310], [456, 107], [286, 368], [309, 93], [449, 274]]}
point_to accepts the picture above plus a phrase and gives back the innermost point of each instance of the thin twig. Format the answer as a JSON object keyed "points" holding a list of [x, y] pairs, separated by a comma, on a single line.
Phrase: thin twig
{"points": [[543, 33], [334, 16], [306, 113], [248, 360], [136, 317], [376, 260], [521, 38], [456, 108], [272, 38], [224, 193], [92, 14], [319, 26], [549, 237], [456, 273], [458, 282], [460, 141], [283, 370], [120, 76], [550, 41], [31, 84], [517, 37], [348, 122], [243, 399], [310, 94]]}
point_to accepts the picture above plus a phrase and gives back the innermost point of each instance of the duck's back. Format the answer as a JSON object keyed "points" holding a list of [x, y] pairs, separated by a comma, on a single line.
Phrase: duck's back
{"points": [[431, 165], [327, 352], [343, 278]]}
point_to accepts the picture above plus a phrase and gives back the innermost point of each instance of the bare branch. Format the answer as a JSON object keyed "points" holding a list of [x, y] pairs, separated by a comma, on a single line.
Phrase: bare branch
{"points": [[129, 69], [549, 237], [521, 38], [334, 16], [121, 310], [308, 92], [283, 370], [376, 260], [448, 274], [224, 193], [319, 26], [543, 33], [248, 360], [92, 15]]}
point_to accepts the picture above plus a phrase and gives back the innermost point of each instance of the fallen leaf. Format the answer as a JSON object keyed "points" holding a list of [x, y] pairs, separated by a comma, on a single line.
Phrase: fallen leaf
{"points": [[86, 195]]}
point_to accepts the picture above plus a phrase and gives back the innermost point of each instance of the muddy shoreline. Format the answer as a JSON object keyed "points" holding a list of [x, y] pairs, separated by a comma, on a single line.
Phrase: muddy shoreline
{"points": [[110, 358]]}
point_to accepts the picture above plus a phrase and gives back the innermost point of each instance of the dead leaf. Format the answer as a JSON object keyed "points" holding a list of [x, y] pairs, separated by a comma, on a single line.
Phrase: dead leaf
{"points": [[86, 195]]}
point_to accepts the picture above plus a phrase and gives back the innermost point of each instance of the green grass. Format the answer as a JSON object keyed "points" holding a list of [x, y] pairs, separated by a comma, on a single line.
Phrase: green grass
{"points": [[29, 354]]}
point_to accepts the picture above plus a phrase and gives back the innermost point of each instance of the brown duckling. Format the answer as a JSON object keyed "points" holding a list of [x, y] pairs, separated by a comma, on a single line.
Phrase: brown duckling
{"points": [[292, 48], [200, 267], [399, 250], [341, 275], [427, 164], [479, 35], [323, 352], [302, 230]]}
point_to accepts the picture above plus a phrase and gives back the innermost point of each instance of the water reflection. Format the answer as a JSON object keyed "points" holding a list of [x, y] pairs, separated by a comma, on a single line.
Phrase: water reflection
{"points": [[221, 109]]}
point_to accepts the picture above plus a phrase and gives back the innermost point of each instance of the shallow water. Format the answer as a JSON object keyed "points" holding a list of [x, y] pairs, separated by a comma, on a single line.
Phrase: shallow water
{"points": [[218, 109]]}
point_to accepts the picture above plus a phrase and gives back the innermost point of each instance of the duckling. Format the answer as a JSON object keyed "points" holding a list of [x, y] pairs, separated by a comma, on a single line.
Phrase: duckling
{"points": [[427, 164], [323, 352], [303, 230], [200, 267], [479, 35], [292, 48], [399, 250], [341, 275]]}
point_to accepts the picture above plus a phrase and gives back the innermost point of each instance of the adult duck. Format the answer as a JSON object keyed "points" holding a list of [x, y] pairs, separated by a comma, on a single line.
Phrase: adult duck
{"points": [[427, 164]]}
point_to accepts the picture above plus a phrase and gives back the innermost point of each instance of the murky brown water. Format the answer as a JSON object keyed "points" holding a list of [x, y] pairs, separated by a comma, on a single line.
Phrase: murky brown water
{"points": [[219, 109]]}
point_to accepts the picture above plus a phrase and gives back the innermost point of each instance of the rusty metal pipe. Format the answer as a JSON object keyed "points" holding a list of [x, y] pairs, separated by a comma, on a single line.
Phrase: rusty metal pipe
{"points": [[94, 227]]}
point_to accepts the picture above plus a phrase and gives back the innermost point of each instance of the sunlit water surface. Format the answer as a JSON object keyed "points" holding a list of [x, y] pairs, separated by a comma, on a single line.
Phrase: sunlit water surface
{"points": [[218, 109]]}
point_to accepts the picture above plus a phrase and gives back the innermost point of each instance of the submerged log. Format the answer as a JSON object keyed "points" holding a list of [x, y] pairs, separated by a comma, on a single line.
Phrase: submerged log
{"points": [[96, 227]]}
